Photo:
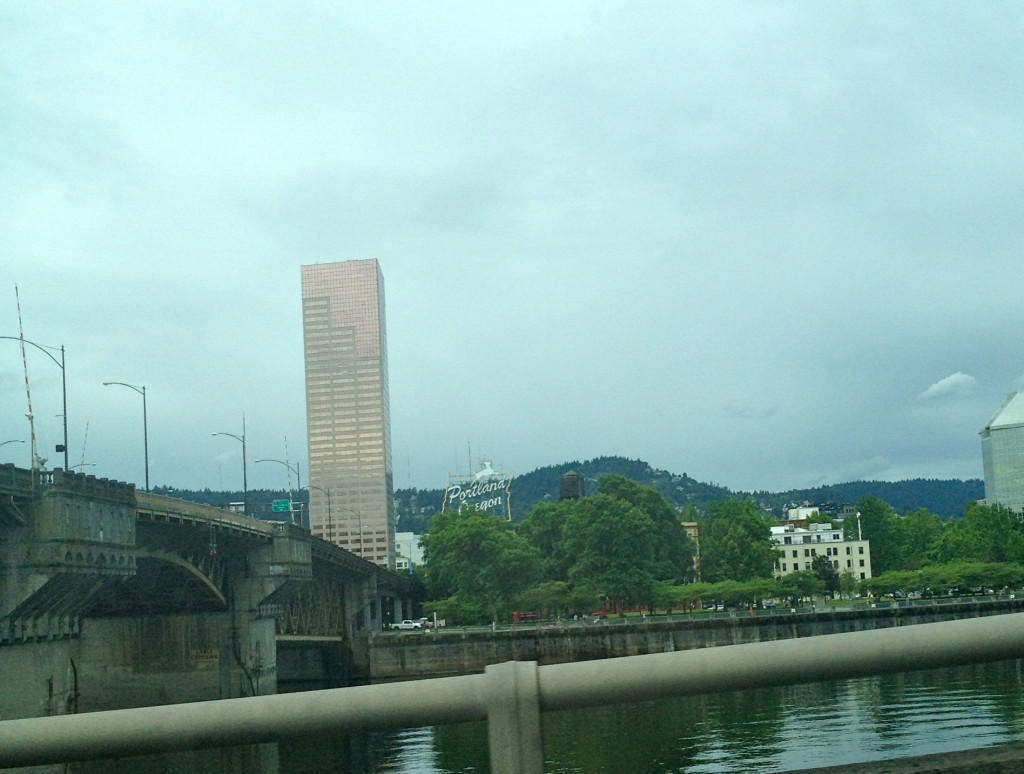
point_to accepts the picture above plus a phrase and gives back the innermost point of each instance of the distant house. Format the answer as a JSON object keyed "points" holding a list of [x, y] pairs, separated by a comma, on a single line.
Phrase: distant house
{"points": [[408, 551], [800, 514], [798, 548]]}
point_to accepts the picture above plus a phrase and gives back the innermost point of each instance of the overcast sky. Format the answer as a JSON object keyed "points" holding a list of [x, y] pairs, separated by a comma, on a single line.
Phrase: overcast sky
{"points": [[767, 244]]}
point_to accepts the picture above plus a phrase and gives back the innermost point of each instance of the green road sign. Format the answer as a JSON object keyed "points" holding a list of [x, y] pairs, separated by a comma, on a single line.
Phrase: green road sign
{"points": [[282, 506]]}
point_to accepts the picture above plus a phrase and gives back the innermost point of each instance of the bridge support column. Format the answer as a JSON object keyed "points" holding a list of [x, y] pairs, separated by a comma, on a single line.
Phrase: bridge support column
{"points": [[513, 718], [399, 612]]}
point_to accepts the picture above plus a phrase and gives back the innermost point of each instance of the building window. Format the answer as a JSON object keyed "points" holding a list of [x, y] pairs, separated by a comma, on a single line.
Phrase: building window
{"points": [[861, 562]]}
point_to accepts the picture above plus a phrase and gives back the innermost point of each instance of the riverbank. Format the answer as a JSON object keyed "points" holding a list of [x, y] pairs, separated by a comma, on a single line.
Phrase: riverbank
{"points": [[446, 652]]}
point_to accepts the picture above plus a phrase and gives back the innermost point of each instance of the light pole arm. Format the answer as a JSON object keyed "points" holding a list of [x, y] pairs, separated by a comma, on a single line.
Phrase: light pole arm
{"points": [[63, 383], [145, 422]]}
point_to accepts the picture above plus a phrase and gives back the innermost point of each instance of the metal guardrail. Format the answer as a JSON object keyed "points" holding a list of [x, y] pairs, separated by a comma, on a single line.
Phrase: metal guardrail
{"points": [[510, 696]]}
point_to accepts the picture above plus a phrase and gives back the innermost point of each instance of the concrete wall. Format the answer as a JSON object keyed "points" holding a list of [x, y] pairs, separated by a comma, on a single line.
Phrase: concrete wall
{"points": [[134, 662], [429, 654], [77, 524]]}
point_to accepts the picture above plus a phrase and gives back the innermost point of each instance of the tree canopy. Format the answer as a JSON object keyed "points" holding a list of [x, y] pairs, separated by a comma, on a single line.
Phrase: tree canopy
{"points": [[617, 544], [475, 556], [736, 543]]}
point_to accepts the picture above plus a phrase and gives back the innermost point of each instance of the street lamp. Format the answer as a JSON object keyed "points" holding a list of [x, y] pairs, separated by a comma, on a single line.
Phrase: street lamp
{"points": [[145, 424], [298, 480], [359, 516], [64, 389], [245, 475], [16, 440], [330, 525]]}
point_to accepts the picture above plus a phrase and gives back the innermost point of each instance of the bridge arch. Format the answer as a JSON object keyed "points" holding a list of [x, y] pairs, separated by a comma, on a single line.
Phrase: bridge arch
{"points": [[195, 573]]}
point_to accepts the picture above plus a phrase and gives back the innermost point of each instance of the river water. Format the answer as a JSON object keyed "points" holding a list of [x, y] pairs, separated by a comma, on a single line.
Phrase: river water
{"points": [[771, 729]]}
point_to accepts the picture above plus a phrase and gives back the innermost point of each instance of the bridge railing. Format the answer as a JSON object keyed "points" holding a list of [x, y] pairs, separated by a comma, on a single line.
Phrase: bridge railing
{"points": [[162, 507], [510, 696]]}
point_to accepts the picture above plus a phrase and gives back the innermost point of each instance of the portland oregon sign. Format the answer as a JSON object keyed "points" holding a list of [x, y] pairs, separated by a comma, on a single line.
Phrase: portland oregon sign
{"points": [[486, 490]]}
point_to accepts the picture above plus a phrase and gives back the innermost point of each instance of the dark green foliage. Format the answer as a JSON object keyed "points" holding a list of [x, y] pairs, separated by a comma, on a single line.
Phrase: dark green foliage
{"points": [[479, 559], [874, 524], [940, 580], [946, 499], [735, 543], [827, 573], [987, 533]]}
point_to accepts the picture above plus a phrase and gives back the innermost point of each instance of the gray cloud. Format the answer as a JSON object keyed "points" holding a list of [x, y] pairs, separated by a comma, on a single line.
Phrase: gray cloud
{"points": [[730, 239]]}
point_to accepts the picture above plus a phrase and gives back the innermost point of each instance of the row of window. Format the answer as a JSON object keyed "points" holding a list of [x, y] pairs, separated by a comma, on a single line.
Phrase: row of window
{"points": [[828, 551], [809, 565]]}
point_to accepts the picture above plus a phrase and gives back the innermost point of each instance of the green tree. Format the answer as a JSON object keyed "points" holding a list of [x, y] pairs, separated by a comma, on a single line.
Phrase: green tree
{"points": [[543, 527], [873, 523], [986, 533], [478, 558], [826, 572], [911, 538], [620, 542], [614, 549], [847, 584], [735, 542], [817, 518], [798, 586], [673, 549]]}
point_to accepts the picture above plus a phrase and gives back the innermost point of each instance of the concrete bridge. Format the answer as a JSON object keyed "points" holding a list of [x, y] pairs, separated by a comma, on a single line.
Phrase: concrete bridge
{"points": [[113, 598]]}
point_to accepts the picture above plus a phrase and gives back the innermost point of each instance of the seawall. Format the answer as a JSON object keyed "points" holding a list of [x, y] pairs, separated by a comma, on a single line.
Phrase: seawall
{"points": [[446, 652]]}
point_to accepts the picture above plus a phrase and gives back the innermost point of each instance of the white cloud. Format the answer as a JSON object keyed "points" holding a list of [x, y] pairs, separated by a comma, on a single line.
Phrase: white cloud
{"points": [[953, 387]]}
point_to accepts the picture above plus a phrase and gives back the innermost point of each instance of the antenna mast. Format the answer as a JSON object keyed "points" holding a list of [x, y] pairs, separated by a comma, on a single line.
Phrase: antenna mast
{"points": [[81, 467], [37, 463]]}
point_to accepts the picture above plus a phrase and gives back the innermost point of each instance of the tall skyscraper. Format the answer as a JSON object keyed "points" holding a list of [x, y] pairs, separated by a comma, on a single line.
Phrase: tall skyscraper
{"points": [[348, 418], [1002, 454]]}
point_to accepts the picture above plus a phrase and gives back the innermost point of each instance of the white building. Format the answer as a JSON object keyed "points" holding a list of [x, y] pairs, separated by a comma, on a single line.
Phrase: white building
{"points": [[798, 548], [408, 551], [1002, 454], [801, 513]]}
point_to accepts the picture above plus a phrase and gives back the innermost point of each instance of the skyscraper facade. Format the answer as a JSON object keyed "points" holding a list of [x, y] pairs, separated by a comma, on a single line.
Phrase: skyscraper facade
{"points": [[1002, 454], [347, 413]]}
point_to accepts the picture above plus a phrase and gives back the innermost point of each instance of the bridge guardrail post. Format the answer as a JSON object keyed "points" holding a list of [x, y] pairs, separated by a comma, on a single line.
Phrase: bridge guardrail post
{"points": [[513, 718]]}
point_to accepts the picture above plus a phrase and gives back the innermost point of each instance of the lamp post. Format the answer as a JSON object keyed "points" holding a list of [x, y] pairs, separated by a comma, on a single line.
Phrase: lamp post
{"points": [[359, 516], [330, 525], [298, 480], [145, 423], [63, 384], [245, 474]]}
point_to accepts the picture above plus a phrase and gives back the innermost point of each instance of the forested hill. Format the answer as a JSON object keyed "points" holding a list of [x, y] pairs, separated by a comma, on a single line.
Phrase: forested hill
{"points": [[943, 498]]}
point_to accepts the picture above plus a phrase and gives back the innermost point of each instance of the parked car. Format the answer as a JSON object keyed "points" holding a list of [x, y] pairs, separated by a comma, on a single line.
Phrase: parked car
{"points": [[407, 624]]}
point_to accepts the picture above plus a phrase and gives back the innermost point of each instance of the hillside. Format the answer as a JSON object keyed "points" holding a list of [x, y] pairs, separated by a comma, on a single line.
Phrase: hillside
{"points": [[943, 498]]}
